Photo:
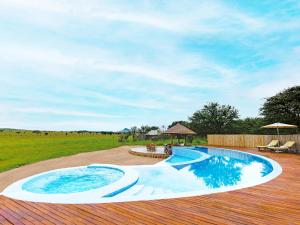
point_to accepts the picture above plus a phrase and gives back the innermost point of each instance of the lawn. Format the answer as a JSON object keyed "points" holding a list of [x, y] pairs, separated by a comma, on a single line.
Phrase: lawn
{"points": [[17, 149]]}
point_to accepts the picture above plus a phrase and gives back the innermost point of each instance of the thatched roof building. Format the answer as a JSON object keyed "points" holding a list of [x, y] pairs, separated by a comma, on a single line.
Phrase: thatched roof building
{"points": [[153, 133], [179, 129]]}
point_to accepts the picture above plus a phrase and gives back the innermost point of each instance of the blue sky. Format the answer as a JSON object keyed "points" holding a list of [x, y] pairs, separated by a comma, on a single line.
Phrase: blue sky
{"points": [[109, 64]]}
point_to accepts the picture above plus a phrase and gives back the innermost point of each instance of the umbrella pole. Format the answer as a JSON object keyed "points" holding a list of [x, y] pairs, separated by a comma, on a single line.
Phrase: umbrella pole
{"points": [[278, 134]]}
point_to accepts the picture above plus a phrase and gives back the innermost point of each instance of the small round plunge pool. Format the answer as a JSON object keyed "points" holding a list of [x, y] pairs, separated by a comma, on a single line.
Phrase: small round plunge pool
{"points": [[73, 180], [73, 185]]}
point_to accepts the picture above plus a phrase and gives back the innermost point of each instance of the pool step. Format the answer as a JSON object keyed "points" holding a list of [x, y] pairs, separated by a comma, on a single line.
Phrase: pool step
{"points": [[167, 191], [149, 190], [158, 191], [146, 190], [131, 191], [141, 190]]}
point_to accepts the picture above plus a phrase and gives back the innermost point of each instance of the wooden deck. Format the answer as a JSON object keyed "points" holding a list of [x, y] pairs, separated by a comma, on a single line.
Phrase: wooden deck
{"points": [[275, 202]]}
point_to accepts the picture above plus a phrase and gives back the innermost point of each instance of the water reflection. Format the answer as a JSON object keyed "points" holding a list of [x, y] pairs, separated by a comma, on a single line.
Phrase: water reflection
{"points": [[222, 171], [217, 171]]}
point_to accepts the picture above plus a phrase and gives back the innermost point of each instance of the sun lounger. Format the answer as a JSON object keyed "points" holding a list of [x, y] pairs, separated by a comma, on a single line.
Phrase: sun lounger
{"points": [[273, 143], [284, 148]]}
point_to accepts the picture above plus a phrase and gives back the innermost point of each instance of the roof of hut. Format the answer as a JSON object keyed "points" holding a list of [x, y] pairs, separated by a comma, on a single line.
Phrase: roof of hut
{"points": [[153, 133], [179, 129]]}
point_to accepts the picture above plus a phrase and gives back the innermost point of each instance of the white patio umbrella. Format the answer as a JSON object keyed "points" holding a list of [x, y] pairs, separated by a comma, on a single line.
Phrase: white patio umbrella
{"points": [[278, 126]]}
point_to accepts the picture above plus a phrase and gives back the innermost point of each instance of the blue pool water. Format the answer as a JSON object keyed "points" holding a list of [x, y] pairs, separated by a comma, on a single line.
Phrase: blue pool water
{"points": [[72, 180], [178, 159], [217, 171], [189, 171]]}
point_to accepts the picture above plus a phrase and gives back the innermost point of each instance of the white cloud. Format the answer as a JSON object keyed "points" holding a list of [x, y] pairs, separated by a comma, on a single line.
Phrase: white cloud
{"points": [[46, 59], [55, 111], [131, 57], [145, 104], [284, 79], [206, 17], [65, 112], [35, 5], [279, 77]]}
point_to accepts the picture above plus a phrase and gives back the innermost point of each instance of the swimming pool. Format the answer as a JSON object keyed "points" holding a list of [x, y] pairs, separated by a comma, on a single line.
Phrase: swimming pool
{"points": [[189, 171], [85, 184], [73, 180]]}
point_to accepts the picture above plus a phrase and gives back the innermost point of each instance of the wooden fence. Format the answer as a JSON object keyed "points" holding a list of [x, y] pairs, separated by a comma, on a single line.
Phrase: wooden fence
{"points": [[248, 140]]}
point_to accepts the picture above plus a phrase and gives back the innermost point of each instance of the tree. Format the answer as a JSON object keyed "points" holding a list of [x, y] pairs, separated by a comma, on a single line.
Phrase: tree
{"points": [[134, 131], [283, 107], [248, 126], [145, 129], [154, 128], [214, 119]]}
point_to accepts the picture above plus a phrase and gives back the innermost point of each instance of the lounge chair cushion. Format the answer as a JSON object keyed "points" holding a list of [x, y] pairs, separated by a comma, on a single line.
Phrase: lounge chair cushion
{"points": [[273, 143], [287, 146]]}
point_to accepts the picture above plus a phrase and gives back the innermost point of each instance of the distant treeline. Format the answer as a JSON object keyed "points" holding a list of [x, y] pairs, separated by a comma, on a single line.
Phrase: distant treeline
{"points": [[40, 132], [214, 118]]}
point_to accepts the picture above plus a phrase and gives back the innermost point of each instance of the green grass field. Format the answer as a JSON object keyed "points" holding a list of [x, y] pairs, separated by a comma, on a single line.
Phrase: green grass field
{"points": [[17, 149]]}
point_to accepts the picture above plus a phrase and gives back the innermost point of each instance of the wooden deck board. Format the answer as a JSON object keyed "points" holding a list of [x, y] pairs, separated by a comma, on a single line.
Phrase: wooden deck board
{"points": [[275, 202]]}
